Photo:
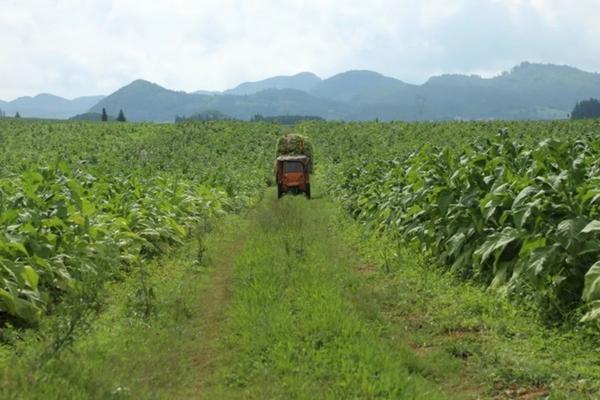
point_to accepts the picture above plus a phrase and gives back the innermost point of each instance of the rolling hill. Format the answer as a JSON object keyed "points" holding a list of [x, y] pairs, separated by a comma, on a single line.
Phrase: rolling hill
{"points": [[49, 106], [145, 101], [527, 91], [304, 81], [358, 86]]}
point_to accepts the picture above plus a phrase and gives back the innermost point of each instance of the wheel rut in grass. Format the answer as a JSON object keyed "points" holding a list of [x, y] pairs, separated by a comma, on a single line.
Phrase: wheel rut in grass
{"points": [[214, 306]]}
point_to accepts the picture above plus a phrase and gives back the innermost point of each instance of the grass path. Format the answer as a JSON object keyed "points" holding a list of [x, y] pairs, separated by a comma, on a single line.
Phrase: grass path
{"points": [[213, 302], [293, 329], [322, 309], [294, 301]]}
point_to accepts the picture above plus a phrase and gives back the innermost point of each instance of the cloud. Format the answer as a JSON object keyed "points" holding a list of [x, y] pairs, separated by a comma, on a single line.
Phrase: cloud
{"points": [[95, 46]]}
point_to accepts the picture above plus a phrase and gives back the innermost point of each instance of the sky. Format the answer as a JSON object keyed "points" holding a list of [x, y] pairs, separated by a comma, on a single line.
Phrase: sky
{"points": [[89, 47]]}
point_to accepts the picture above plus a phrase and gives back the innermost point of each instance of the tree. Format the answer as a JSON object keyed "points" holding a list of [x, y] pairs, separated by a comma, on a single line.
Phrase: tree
{"points": [[586, 109], [104, 115], [121, 117], [17, 115], [2, 114]]}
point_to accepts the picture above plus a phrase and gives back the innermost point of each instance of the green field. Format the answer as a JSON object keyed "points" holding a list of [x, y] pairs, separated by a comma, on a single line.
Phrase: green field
{"points": [[435, 260]]}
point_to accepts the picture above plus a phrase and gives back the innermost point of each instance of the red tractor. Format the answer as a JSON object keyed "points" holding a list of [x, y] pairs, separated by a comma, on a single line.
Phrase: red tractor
{"points": [[292, 175]]}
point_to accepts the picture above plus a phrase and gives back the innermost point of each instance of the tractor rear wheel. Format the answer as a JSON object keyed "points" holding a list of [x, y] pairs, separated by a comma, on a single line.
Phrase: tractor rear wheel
{"points": [[308, 191], [279, 192]]}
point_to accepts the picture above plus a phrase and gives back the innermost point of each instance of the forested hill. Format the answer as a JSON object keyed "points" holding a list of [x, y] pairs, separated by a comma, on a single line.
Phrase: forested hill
{"points": [[48, 106], [303, 81], [145, 101], [528, 91]]}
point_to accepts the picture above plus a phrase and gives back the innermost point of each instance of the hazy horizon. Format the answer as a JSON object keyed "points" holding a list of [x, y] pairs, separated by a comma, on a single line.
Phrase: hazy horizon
{"points": [[488, 76], [95, 47]]}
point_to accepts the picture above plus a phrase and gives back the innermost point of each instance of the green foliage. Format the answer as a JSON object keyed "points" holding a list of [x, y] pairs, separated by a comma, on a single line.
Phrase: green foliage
{"points": [[293, 278], [90, 116], [145, 101], [295, 144], [120, 117], [117, 196], [286, 119], [528, 91], [207, 115], [518, 213], [586, 109], [519, 216]]}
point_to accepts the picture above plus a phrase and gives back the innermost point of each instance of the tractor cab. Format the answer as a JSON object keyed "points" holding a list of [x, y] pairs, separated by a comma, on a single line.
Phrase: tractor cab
{"points": [[292, 174]]}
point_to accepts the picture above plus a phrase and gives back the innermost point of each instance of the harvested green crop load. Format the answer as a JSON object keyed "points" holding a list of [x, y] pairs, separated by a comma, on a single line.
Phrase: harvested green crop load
{"points": [[295, 144]]}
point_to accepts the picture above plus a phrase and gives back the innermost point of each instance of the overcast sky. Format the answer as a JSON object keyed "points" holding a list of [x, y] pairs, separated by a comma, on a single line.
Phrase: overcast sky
{"points": [[85, 47]]}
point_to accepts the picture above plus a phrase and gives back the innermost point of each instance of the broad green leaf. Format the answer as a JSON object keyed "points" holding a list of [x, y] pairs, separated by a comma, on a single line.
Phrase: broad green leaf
{"points": [[18, 249], [87, 208], [594, 313], [30, 276], [497, 241], [591, 289], [523, 195], [8, 216], [531, 244], [28, 311], [455, 243], [7, 302], [593, 226], [568, 231]]}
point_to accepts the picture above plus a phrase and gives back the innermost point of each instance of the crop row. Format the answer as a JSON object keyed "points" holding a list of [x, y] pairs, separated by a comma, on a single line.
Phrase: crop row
{"points": [[81, 203], [519, 216]]}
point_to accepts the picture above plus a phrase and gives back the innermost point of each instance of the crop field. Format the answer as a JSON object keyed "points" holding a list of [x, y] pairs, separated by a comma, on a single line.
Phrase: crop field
{"points": [[82, 202], [435, 260], [515, 206]]}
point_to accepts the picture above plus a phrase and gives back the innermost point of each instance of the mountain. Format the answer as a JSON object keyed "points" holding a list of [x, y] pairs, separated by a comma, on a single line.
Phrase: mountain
{"points": [[527, 91], [48, 106], [145, 101], [358, 86], [304, 81], [548, 86], [277, 102]]}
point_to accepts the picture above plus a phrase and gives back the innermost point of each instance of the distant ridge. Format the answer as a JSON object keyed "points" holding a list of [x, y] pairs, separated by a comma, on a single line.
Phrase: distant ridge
{"points": [[361, 86], [146, 101], [527, 91], [304, 81], [46, 105]]}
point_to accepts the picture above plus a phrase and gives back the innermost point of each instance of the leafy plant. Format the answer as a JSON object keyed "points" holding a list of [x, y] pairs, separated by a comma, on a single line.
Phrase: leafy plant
{"points": [[519, 216], [118, 195]]}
